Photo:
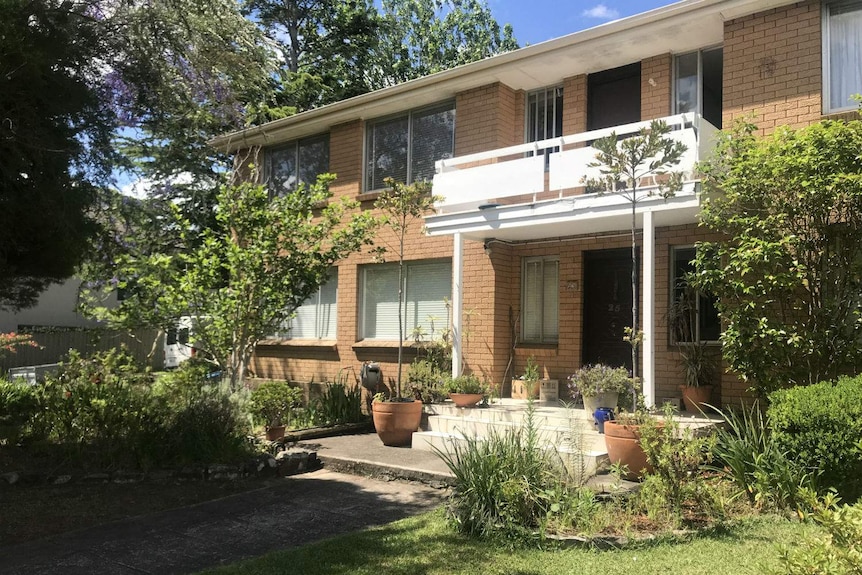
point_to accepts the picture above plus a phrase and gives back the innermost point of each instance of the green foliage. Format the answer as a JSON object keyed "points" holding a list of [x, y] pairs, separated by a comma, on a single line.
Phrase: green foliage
{"points": [[54, 143], [19, 403], [503, 484], [787, 277], [466, 383], [426, 381], [748, 453], [819, 426], [274, 401], [339, 404], [592, 380], [836, 551], [531, 371], [678, 456]]}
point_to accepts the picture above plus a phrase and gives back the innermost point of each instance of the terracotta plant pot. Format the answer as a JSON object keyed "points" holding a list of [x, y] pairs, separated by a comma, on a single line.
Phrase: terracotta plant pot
{"points": [[465, 399], [395, 421], [695, 397], [624, 447], [274, 433]]}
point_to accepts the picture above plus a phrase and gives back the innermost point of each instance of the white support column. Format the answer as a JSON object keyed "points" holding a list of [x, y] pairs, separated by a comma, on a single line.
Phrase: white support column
{"points": [[648, 306], [457, 299]]}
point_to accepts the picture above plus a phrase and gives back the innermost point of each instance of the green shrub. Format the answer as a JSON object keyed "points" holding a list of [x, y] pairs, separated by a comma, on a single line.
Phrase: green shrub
{"points": [[426, 380], [748, 454], [838, 551], [819, 427], [503, 484], [19, 403], [273, 402], [467, 383], [339, 404]]}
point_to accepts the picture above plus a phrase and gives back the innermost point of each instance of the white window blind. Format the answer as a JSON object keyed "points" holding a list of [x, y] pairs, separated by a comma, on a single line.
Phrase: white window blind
{"points": [[540, 300], [428, 286], [317, 317], [843, 46]]}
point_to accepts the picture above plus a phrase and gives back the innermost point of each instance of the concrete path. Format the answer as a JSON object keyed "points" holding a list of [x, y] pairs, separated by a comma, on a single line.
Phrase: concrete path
{"points": [[293, 512]]}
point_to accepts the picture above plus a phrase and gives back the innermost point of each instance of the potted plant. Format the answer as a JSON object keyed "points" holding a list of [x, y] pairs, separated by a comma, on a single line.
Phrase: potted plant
{"points": [[599, 385], [623, 442], [466, 390], [272, 403], [698, 368], [527, 386], [397, 416]]}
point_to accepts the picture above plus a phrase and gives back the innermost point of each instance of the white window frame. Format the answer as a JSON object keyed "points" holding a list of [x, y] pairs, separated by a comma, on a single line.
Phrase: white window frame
{"points": [[827, 60], [321, 323], [672, 291], [555, 313], [423, 322], [369, 127], [294, 145], [674, 94]]}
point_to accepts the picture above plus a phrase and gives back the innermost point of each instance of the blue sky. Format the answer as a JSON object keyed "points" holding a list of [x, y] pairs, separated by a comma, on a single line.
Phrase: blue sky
{"points": [[535, 21]]}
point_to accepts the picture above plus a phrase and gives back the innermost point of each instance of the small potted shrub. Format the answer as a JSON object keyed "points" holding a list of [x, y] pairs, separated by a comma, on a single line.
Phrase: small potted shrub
{"points": [[699, 364], [466, 390], [623, 442], [426, 381], [527, 386], [272, 403], [599, 385]]}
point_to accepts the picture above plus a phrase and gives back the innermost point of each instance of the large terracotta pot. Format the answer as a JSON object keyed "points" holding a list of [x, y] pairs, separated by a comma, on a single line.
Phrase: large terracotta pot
{"points": [[465, 399], [695, 397], [395, 421], [624, 447]]}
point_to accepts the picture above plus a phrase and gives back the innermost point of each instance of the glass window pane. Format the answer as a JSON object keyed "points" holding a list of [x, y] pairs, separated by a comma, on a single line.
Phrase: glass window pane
{"points": [[387, 152], [686, 83], [281, 169], [313, 158], [432, 139], [845, 53], [550, 308]]}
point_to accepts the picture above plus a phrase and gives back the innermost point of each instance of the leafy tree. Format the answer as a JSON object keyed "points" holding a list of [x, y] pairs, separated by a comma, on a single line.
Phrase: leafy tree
{"points": [[421, 37], [624, 163], [789, 275], [55, 149], [265, 257]]}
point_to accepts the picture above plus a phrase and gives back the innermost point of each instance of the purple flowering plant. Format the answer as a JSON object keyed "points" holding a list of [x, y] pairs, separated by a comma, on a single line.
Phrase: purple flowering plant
{"points": [[592, 380]]}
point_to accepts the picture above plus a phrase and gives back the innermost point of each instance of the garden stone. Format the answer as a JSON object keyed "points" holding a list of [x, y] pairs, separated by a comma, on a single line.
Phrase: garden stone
{"points": [[10, 478], [96, 478], [61, 479], [220, 471]]}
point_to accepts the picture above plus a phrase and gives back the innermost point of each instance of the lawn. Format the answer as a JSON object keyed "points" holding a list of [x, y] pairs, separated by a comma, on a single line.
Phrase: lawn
{"points": [[426, 545]]}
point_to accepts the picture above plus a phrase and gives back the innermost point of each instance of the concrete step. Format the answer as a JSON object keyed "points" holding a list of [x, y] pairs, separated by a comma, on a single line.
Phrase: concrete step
{"points": [[583, 462], [574, 429], [514, 411]]}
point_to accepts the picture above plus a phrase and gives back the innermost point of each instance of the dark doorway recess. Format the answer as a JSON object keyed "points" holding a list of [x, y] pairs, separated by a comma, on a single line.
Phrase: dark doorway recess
{"points": [[607, 307]]}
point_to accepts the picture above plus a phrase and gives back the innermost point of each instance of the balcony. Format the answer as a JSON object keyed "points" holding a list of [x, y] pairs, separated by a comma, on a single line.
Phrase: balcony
{"points": [[499, 192]]}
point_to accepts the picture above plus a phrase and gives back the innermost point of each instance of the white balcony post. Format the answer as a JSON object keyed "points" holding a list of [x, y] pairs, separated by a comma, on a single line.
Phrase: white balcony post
{"points": [[457, 298], [648, 306]]}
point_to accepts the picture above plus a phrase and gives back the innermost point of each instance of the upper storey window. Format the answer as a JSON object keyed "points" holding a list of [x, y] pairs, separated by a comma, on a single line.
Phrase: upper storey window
{"points": [[698, 84], [405, 147], [298, 161], [545, 115], [842, 54]]}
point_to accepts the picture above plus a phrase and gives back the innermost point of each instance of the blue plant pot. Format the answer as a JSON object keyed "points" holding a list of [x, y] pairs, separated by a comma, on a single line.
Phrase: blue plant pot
{"points": [[601, 415]]}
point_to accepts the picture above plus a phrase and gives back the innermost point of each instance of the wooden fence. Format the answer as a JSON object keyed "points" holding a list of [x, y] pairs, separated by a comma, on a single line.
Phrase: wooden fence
{"points": [[55, 344]]}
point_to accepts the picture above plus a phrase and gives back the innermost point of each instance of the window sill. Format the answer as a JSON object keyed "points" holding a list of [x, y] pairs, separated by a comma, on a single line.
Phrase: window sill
{"points": [[381, 344], [316, 343], [369, 196], [530, 345]]}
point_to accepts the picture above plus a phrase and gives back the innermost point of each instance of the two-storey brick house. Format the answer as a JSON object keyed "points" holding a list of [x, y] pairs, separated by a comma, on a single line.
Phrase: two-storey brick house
{"points": [[530, 263]]}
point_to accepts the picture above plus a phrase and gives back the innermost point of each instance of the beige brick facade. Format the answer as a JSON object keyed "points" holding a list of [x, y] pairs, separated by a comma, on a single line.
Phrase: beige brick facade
{"points": [[772, 68]]}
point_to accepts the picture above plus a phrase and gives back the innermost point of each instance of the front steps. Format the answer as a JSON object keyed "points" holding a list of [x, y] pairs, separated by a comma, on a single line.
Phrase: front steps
{"points": [[569, 432]]}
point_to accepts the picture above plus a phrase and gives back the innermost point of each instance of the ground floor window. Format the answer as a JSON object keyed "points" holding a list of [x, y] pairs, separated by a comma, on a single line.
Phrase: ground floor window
{"points": [[427, 290], [540, 300], [693, 316], [317, 317]]}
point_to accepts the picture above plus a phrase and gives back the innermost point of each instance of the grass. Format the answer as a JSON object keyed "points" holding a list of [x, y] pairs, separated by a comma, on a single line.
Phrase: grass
{"points": [[426, 545]]}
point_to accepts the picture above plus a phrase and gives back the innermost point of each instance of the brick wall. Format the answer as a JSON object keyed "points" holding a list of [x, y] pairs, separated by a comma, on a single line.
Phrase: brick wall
{"points": [[772, 67], [656, 82]]}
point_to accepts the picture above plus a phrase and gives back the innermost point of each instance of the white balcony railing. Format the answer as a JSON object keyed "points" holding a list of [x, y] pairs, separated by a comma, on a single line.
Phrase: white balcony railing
{"points": [[466, 183]]}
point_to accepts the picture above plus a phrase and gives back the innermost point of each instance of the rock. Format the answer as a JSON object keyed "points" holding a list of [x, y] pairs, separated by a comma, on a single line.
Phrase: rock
{"points": [[220, 471], [61, 479], [96, 478], [10, 478]]}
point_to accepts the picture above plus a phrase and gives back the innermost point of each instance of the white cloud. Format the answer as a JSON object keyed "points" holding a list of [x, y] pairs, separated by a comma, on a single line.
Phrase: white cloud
{"points": [[602, 12]]}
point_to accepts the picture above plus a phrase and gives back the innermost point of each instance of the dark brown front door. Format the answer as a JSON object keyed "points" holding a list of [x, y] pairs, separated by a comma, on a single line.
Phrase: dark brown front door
{"points": [[607, 307]]}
